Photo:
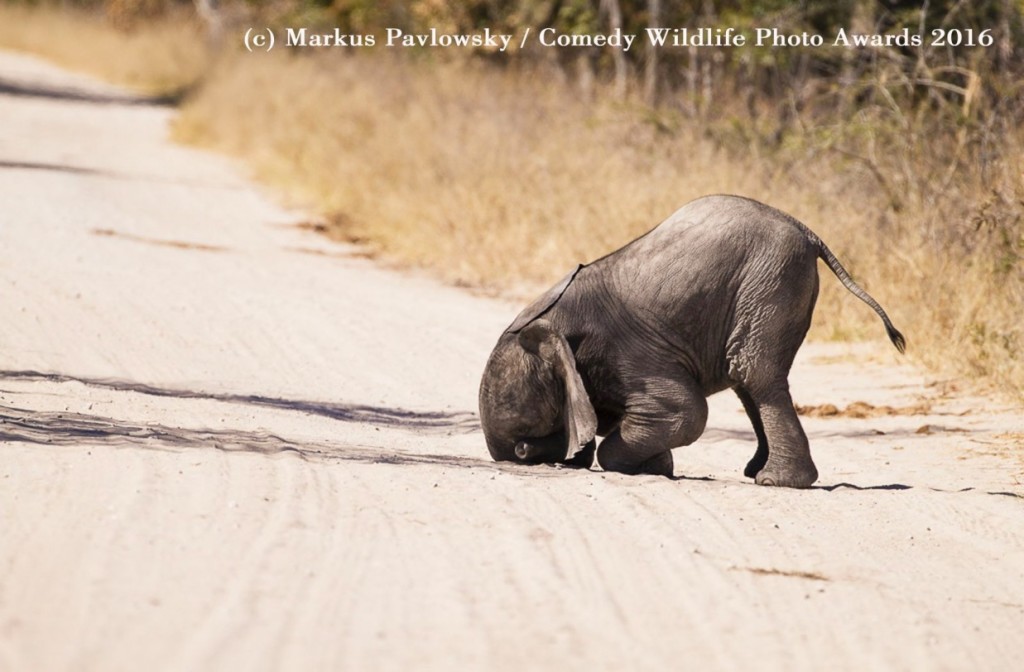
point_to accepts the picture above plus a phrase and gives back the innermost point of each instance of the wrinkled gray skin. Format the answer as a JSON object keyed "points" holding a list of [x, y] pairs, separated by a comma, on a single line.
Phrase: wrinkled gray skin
{"points": [[718, 296]]}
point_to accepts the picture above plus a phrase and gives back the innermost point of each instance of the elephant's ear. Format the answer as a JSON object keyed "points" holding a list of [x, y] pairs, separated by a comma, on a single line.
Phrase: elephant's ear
{"points": [[542, 303], [541, 339]]}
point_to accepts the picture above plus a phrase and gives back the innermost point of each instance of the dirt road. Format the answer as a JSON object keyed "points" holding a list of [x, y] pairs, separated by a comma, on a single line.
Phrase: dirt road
{"points": [[229, 444]]}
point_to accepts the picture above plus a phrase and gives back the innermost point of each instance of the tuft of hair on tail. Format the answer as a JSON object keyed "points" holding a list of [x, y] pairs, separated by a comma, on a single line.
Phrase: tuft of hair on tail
{"points": [[897, 338]]}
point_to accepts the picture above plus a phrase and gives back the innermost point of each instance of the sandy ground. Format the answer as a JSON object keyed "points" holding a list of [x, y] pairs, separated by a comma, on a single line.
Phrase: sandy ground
{"points": [[229, 444]]}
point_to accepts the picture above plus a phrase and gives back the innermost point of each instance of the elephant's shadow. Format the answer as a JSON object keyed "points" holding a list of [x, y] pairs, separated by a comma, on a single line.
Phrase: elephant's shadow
{"points": [[900, 486], [843, 486]]}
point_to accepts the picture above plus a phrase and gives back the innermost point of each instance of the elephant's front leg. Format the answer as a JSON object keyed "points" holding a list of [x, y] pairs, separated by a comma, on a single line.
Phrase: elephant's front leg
{"points": [[585, 458], [652, 426], [629, 456]]}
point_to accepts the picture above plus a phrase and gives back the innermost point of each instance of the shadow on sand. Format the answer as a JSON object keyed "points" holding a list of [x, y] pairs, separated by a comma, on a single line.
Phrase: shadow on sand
{"points": [[23, 90], [69, 428], [460, 422], [72, 429], [901, 486]]}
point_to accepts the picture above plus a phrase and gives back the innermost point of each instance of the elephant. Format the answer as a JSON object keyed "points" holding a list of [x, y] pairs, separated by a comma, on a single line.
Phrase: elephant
{"points": [[628, 347]]}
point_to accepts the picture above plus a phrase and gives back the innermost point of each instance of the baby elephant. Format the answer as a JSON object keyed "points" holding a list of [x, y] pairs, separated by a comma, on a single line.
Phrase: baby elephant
{"points": [[628, 347]]}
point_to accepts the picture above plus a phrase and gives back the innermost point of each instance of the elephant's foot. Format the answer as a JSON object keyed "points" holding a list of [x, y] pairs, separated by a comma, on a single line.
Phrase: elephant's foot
{"points": [[658, 465], [787, 474], [583, 459]]}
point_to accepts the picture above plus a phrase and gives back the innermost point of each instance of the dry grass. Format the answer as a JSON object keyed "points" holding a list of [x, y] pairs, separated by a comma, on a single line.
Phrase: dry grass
{"points": [[492, 178], [154, 58], [499, 181], [506, 179]]}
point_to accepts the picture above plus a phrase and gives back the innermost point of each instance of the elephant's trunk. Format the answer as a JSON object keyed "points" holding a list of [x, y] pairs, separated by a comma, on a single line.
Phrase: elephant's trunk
{"points": [[525, 451]]}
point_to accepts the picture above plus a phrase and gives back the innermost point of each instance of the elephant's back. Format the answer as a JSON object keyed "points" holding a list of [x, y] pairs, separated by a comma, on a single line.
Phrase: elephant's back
{"points": [[712, 237], [690, 278], [723, 222]]}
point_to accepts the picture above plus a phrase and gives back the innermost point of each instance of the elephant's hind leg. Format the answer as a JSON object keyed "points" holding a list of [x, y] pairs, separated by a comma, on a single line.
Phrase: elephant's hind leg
{"points": [[760, 353], [672, 414], [789, 460], [760, 457]]}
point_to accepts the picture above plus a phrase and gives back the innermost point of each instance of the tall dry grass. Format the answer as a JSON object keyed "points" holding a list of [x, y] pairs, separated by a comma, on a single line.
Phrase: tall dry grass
{"points": [[157, 58], [497, 180], [506, 179]]}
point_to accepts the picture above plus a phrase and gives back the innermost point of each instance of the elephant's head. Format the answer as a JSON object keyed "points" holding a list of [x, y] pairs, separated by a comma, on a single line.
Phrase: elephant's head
{"points": [[533, 406]]}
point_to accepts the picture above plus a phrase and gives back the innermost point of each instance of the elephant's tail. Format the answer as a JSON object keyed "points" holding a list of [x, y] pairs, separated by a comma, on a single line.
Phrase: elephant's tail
{"points": [[826, 255]]}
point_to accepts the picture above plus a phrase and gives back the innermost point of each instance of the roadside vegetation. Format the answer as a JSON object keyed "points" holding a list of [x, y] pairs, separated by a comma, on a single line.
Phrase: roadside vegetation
{"points": [[501, 171], [158, 55]]}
